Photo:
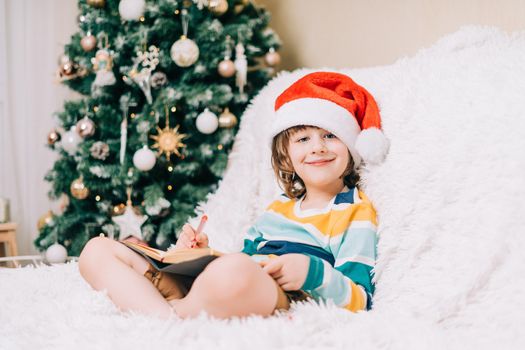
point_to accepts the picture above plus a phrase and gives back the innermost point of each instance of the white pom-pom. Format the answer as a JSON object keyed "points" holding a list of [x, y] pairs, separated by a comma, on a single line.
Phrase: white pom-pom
{"points": [[372, 145], [131, 10]]}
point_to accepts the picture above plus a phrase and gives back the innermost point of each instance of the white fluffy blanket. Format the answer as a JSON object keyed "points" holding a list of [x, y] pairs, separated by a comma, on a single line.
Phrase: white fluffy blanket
{"points": [[450, 199]]}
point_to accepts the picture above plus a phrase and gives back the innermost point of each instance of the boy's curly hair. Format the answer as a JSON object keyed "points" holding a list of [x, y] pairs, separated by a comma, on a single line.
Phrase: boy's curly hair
{"points": [[291, 184]]}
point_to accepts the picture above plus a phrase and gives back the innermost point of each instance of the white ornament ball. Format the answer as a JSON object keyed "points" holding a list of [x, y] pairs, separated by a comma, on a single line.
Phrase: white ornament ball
{"points": [[184, 52], [70, 140], [56, 254], [144, 159], [207, 122], [131, 10]]}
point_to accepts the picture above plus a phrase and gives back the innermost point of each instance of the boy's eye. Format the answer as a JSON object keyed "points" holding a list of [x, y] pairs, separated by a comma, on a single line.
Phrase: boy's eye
{"points": [[330, 136], [302, 139]]}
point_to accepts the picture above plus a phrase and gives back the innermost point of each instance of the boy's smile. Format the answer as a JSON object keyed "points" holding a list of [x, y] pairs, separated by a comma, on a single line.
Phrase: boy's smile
{"points": [[319, 162]]}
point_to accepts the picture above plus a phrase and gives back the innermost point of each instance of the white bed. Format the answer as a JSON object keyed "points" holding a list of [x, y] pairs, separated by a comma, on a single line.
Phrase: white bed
{"points": [[450, 198]]}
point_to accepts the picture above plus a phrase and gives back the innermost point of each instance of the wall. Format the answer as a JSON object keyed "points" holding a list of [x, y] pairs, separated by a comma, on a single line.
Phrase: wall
{"points": [[33, 34], [359, 33]]}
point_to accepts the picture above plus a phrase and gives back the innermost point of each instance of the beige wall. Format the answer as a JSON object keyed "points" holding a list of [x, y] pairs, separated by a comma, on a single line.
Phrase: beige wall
{"points": [[360, 33]]}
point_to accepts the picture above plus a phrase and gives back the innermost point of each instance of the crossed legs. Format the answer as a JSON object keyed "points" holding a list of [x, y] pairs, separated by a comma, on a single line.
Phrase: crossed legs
{"points": [[232, 285]]}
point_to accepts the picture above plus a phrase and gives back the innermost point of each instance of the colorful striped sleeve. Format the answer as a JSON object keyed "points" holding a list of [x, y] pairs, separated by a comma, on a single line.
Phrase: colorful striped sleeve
{"points": [[252, 239], [349, 282]]}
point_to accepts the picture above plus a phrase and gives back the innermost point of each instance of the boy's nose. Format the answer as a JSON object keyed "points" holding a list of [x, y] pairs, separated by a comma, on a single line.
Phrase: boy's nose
{"points": [[318, 145]]}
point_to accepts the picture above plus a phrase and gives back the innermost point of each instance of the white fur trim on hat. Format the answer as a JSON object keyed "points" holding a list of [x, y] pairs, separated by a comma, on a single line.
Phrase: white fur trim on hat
{"points": [[372, 145], [323, 114]]}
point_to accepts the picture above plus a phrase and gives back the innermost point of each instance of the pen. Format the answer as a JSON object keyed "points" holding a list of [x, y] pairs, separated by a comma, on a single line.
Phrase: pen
{"points": [[204, 218]]}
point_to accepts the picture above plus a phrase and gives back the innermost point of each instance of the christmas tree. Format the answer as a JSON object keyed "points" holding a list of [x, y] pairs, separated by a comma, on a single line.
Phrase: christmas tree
{"points": [[162, 83]]}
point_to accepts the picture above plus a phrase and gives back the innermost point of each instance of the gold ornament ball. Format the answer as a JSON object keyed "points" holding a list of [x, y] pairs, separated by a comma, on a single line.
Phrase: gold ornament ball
{"points": [[79, 189], [218, 7], [272, 58], [88, 42], [226, 68], [227, 119], [53, 137], [96, 3], [85, 127], [45, 220]]}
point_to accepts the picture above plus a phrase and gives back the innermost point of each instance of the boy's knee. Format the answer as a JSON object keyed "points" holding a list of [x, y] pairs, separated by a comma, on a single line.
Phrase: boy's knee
{"points": [[93, 253], [231, 275]]}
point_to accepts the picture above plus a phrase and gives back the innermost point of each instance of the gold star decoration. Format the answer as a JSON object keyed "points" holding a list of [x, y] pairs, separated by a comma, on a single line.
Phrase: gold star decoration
{"points": [[169, 141]]}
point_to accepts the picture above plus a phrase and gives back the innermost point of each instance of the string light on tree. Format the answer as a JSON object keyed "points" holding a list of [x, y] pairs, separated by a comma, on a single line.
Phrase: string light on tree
{"points": [[119, 209]]}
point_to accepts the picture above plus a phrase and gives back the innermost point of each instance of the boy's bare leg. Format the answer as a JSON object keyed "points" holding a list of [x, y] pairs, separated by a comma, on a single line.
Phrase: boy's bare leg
{"points": [[108, 265], [232, 285]]}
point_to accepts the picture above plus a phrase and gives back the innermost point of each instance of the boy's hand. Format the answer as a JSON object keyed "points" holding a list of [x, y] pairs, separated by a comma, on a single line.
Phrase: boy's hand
{"points": [[188, 240], [289, 270]]}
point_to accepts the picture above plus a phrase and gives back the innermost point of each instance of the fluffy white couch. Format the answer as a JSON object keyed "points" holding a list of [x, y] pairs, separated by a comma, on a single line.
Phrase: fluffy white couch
{"points": [[450, 197]]}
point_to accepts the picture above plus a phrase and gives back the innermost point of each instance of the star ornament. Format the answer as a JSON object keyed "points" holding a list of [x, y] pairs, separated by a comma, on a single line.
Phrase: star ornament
{"points": [[169, 141], [130, 223]]}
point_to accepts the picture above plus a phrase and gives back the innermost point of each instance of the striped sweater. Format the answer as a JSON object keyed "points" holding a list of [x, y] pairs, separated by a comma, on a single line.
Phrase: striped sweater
{"points": [[339, 239]]}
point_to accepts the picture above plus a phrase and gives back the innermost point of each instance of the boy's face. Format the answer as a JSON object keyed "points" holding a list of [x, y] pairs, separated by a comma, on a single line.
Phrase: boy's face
{"points": [[318, 157]]}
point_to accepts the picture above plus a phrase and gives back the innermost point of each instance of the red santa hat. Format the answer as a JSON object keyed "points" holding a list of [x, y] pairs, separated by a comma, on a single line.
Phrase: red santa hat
{"points": [[334, 102]]}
